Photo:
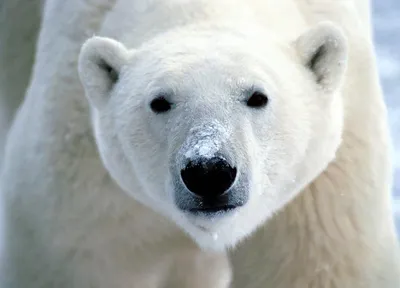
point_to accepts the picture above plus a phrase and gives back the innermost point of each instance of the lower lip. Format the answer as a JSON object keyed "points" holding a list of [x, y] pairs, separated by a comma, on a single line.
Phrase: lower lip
{"points": [[213, 211]]}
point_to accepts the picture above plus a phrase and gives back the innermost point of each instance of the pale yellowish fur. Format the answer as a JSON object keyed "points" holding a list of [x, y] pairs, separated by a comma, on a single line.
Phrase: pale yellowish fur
{"points": [[69, 225]]}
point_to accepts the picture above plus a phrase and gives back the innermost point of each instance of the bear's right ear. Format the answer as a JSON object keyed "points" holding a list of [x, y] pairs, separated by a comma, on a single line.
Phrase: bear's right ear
{"points": [[99, 66]]}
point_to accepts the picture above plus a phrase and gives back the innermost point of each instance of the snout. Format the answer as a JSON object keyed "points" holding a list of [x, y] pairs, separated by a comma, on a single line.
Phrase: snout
{"points": [[207, 178]]}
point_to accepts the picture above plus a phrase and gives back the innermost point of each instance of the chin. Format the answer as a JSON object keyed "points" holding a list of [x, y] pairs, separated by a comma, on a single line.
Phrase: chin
{"points": [[212, 231]]}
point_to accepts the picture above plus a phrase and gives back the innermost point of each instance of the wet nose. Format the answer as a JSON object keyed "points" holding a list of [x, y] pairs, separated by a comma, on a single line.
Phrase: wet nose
{"points": [[208, 178]]}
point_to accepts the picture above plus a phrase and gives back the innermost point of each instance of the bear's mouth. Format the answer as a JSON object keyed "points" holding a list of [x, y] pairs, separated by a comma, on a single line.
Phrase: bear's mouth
{"points": [[212, 210]]}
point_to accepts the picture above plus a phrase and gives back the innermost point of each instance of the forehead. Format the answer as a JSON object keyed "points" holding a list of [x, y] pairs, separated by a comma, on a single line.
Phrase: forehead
{"points": [[196, 64], [223, 68]]}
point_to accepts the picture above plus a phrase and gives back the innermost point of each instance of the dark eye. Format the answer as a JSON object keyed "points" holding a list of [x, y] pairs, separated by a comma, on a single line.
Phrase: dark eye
{"points": [[257, 100], [160, 105]]}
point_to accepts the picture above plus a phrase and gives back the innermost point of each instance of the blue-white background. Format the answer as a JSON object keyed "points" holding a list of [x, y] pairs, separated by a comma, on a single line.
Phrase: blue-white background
{"points": [[386, 21]]}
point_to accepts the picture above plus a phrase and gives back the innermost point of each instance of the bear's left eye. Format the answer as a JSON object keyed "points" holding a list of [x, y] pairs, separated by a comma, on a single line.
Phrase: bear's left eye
{"points": [[160, 105], [257, 100]]}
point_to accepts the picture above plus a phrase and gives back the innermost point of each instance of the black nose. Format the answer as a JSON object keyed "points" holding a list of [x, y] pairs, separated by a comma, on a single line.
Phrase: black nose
{"points": [[208, 178]]}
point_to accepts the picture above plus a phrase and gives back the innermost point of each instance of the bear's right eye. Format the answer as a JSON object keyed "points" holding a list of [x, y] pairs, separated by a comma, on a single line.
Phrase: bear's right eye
{"points": [[160, 105]]}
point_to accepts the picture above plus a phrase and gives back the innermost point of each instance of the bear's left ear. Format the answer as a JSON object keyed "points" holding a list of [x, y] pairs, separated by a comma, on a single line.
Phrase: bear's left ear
{"points": [[323, 49], [99, 66]]}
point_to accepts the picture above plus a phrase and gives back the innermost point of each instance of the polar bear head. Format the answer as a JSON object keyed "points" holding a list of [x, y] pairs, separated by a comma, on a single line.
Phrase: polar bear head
{"points": [[216, 130]]}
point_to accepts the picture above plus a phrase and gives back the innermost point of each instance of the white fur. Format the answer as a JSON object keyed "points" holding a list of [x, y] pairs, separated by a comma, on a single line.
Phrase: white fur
{"points": [[317, 156]]}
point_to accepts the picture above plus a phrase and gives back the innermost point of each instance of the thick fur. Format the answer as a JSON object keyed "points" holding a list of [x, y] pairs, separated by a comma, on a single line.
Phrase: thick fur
{"points": [[69, 224]]}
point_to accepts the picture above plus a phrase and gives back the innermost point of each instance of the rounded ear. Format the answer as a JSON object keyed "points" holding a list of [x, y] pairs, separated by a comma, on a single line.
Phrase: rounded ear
{"points": [[323, 49], [99, 65]]}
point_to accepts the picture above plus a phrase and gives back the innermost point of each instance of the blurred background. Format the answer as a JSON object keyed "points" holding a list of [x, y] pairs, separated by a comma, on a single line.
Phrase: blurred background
{"points": [[386, 21]]}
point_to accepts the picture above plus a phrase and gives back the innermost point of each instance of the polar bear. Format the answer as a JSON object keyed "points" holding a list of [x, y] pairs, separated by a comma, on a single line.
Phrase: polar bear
{"points": [[219, 147]]}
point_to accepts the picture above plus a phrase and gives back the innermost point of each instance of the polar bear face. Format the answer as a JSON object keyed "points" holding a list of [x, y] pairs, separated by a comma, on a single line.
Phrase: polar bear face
{"points": [[216, 131]]}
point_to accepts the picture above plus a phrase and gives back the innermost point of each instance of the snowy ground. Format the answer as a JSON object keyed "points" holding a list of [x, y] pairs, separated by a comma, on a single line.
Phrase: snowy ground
{"points": [[386, 20]]}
